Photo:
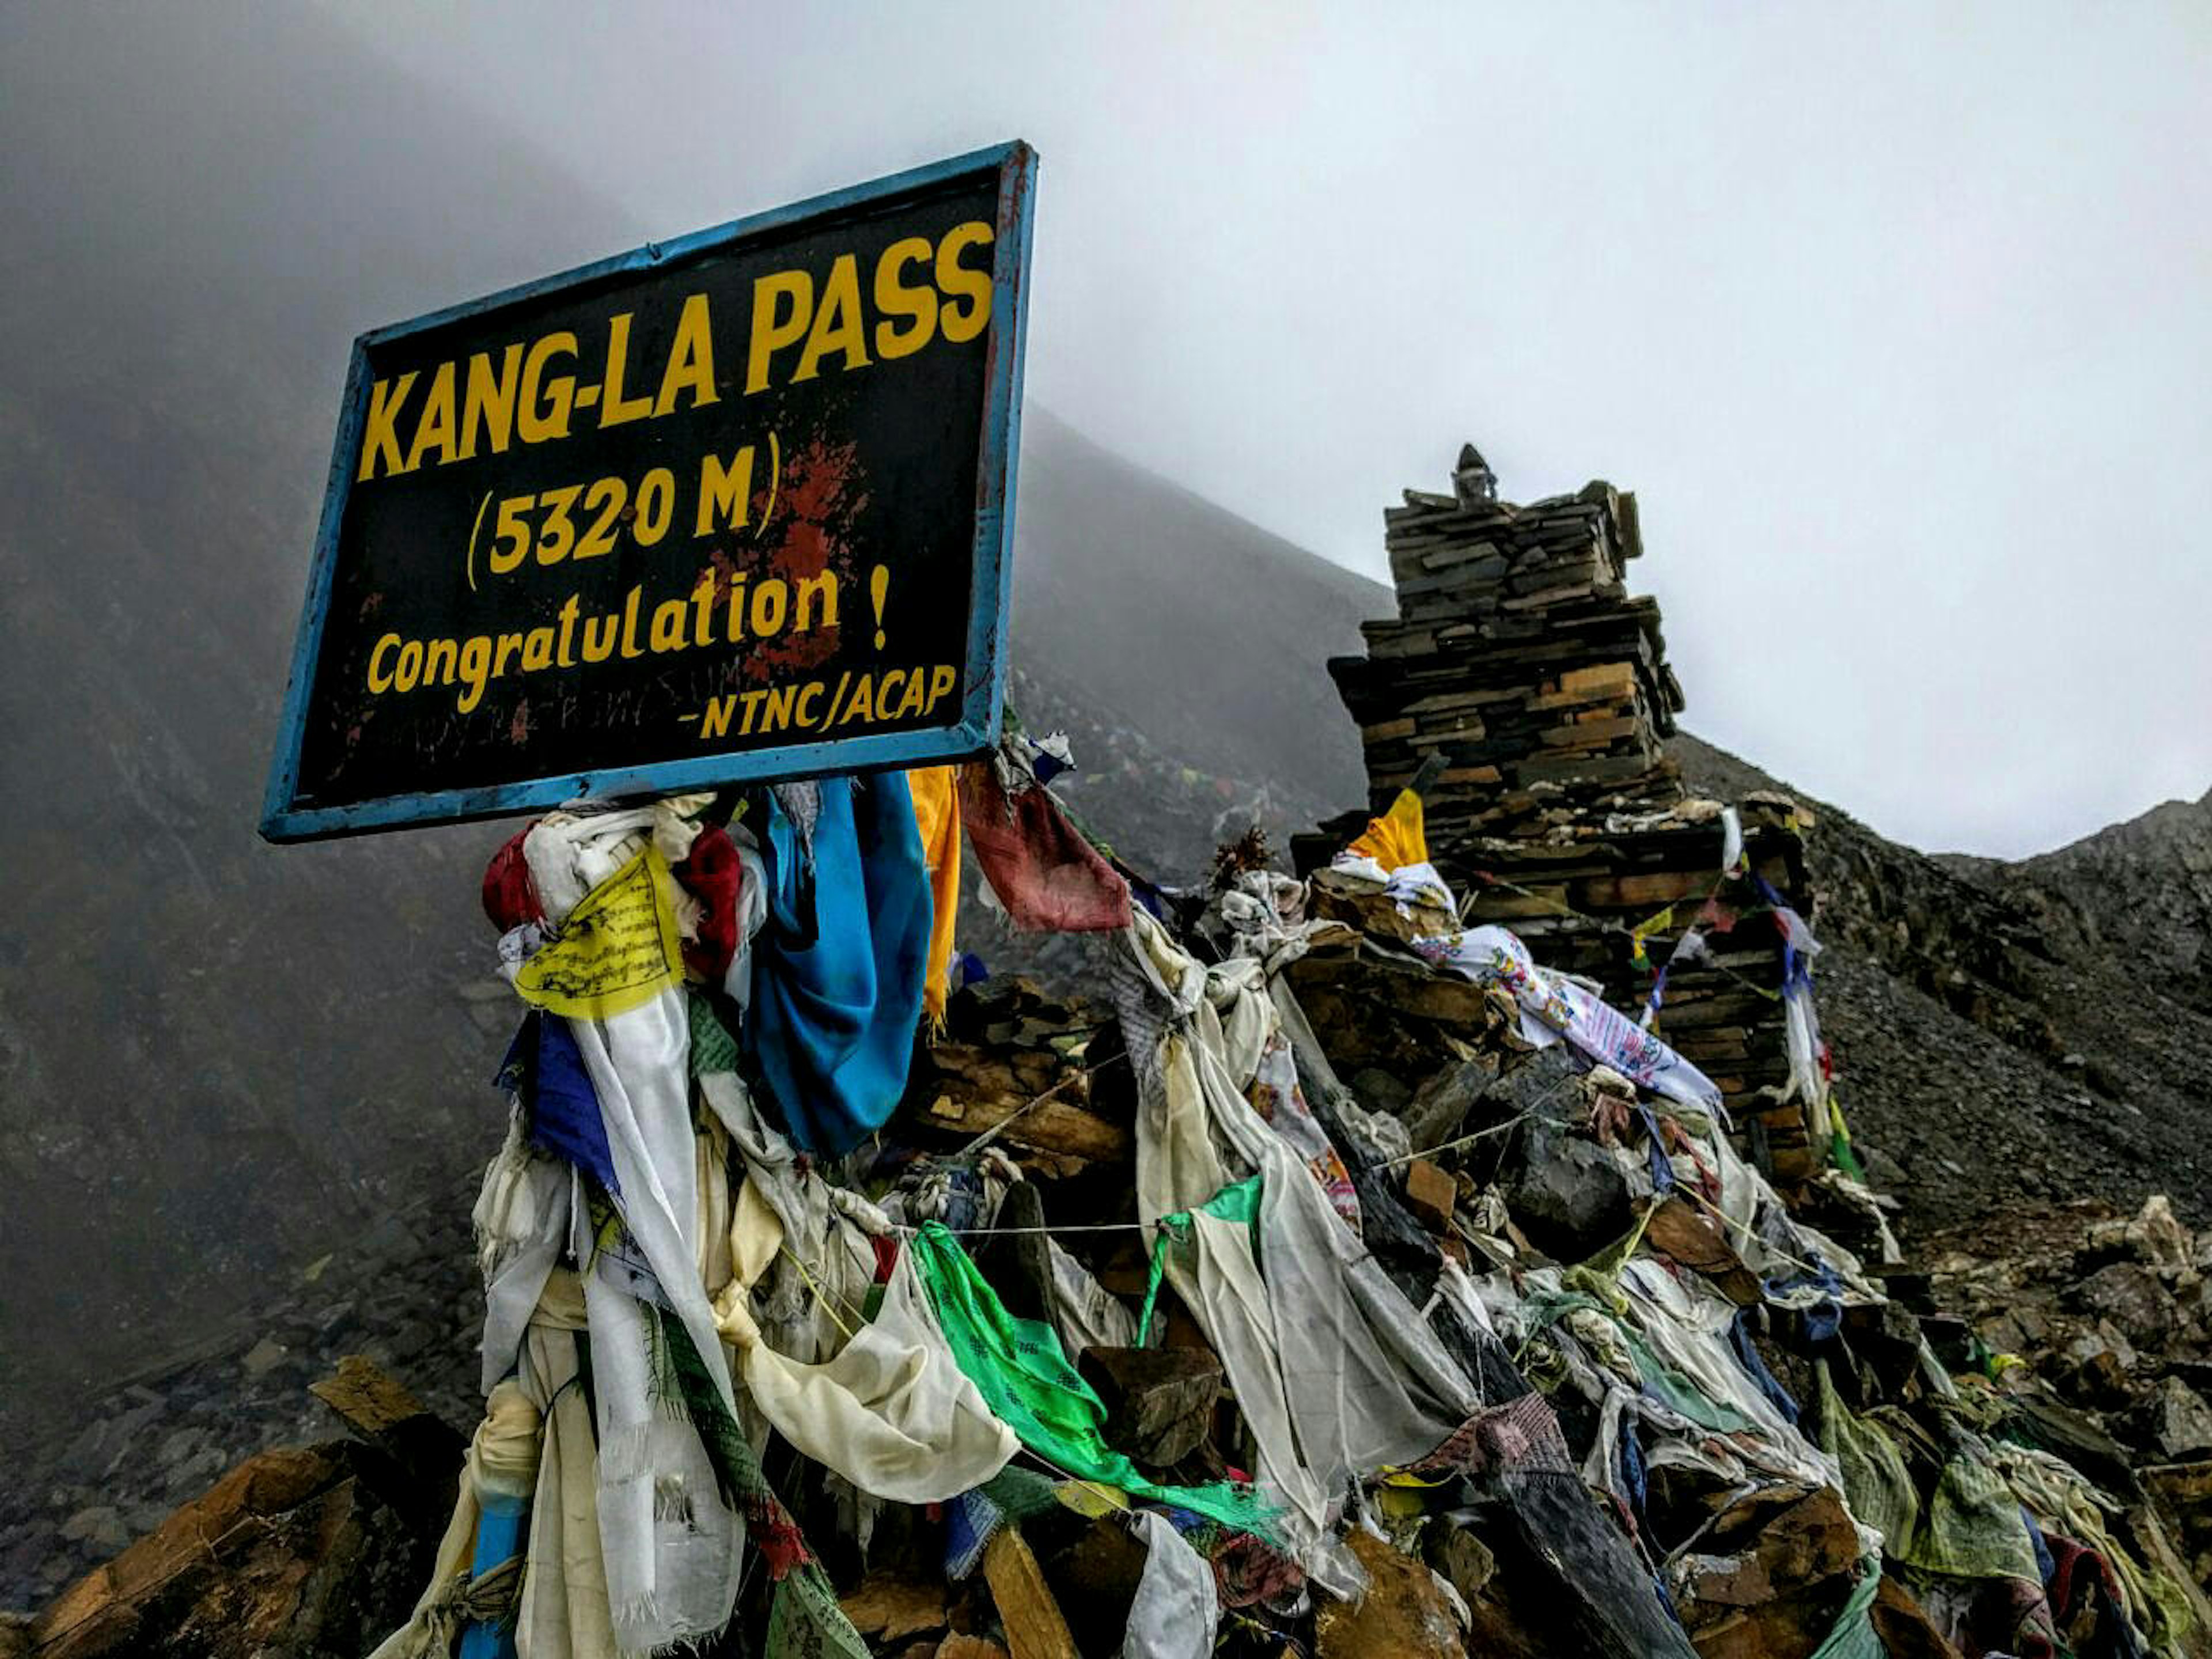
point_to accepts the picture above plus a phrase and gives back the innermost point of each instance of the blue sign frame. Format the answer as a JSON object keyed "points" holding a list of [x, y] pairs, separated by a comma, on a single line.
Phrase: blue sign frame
{"points": [[284, 819]]}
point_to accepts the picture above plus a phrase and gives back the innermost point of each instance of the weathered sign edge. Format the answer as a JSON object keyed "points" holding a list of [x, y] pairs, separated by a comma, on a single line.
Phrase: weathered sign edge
{"points": [[990, 599]]}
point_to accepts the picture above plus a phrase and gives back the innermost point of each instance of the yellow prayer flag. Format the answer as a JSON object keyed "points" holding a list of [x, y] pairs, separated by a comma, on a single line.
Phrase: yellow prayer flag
{"points": [[617, 950], [936, 791], [1398, 837]]}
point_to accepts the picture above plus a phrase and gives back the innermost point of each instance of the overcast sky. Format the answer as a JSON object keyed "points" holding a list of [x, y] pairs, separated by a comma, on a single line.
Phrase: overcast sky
{"points": [[1898, 319]]}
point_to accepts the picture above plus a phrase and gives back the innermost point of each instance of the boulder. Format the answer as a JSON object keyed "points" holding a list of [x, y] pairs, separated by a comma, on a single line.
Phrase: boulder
{"points": [[302, 1550], [1444, 1099], [2130, 1296], [1095, 1581], [889, 1606], [1430, 1194], [1569, 1195], [1403, 1611], [2180, 1423], [1159, 1401], [1905, 1630], [1694, 1240], [1771, 1575], [1027, 1610], [2153, 1237], [380, 1408]]}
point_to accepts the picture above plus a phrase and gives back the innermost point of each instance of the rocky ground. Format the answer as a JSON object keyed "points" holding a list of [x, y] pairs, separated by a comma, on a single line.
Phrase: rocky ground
{"points": [[1997, 1050], [2019, 1086], [407, 1296]]}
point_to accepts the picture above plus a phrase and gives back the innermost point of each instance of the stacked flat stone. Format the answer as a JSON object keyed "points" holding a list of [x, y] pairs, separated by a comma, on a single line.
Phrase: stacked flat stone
{"points": [[1521, 667], [1518, 652]]}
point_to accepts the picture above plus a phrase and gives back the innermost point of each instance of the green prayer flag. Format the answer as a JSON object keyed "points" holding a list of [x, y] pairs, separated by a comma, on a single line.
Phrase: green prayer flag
{"points": [[713, 1048], [1018, 1367]]}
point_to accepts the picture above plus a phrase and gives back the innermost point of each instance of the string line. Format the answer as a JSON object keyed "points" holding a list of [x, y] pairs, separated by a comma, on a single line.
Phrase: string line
{"points": [[1072, 1078]]}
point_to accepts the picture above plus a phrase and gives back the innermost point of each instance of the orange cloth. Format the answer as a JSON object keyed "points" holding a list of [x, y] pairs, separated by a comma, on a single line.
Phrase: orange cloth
{"points": [[936, 814], [1393, 841]]}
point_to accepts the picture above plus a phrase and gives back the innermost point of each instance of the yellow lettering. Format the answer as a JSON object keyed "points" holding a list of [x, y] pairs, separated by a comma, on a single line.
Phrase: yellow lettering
{"points": [[772, 329], [380, 437], [538, 650], [690, 359], [724, 492], [489, 407], [546, 404], [667, 631], [410, 665], [557, 535], [940, 682], [614, 410], [910, 703], [436, 425], [716, 720], [598, 646], [629, 646], [380, 681], [702, 608], [475, 671], [896, 300], [771, 605], [959, 283], [568, 624], [809, 695], [837, 325], [825, 585]]}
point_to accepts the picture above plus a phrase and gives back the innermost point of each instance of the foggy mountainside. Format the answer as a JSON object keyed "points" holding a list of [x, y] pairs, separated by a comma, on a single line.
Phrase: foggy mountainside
{"points": [[224, 1062], [2140, 890], [264, 1053], [2018, 1031]]}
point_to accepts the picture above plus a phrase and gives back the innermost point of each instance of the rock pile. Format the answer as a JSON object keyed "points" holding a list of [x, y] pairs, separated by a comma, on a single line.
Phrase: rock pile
{"points": [[1530, 1357], [1546, 1197], [405, 1292], [299, 1551], [1517, 650], [1531, 694], [2107, 1320]]}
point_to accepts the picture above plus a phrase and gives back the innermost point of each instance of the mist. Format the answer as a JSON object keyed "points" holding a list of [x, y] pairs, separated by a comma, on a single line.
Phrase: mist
{"points": [[1893, 318]]}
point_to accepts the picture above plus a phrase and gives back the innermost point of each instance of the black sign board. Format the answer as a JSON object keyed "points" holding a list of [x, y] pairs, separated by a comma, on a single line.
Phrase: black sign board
{"points": [[737, 505]]}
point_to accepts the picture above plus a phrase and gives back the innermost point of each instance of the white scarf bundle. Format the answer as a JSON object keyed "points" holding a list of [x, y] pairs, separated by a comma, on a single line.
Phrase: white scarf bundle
{"points": [[1335, 1370], [669, 1543]]}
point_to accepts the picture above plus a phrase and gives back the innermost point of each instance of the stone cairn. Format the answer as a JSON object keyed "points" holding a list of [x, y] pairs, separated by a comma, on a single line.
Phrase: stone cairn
{"points": [[1529, 691]]}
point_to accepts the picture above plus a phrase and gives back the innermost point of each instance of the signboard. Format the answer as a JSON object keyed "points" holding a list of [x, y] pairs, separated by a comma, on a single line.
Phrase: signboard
{"points": [[737, 505]]}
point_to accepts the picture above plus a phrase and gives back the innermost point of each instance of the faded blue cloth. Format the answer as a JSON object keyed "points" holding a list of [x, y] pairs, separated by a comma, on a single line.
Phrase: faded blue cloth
{"points": [[545, 1070], [1823, 1319], [1662, 1167], [1755, 1364], [1635, 1480], [2045, 1563], [838, 965]]}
